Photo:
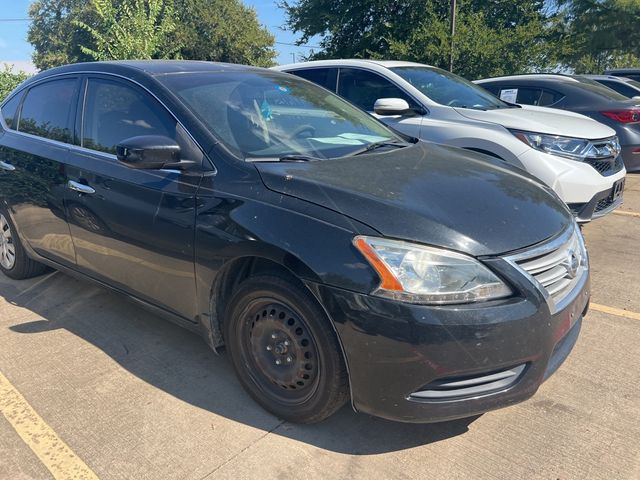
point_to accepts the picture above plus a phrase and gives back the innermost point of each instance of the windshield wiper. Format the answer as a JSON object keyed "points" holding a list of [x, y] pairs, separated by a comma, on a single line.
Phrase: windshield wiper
{"points": [[298, 158], [375, 145]]}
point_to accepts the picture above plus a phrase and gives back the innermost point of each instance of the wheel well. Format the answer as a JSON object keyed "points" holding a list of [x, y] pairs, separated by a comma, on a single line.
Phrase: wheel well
{"points": [[228, 280]]}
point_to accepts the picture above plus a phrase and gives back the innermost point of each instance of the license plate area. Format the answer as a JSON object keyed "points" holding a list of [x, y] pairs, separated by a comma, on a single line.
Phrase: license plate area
{"points": [[617, 190]]}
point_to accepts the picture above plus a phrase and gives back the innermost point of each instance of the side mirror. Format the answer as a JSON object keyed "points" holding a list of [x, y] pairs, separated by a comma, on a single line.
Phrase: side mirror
{"points": [[149, 152], [392, 106]]}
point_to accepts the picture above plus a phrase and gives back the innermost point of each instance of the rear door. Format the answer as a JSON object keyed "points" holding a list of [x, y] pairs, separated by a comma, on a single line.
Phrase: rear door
{"points": [[133, 229], [34, 150]]}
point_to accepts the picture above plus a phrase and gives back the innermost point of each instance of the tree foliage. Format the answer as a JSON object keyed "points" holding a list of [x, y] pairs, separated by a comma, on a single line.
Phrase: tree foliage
{"points": [[10, 80], [492, 36], [137, 29], [221, 30], [599, 34], [224, 31]]}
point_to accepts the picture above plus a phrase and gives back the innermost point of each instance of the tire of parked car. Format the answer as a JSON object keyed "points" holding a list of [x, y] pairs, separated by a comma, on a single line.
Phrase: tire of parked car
{"points": [[14, 261], [284, 350]]}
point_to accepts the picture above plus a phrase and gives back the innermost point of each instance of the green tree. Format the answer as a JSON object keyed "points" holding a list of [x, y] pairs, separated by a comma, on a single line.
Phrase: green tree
{"points": [[135, 29], [223, 31], [598, 34], [55, 39], [493, 37], [216, 30], [10, 80]]}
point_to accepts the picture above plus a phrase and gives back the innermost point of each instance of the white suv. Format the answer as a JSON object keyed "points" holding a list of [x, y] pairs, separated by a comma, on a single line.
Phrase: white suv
{"points": [[576, 156]]}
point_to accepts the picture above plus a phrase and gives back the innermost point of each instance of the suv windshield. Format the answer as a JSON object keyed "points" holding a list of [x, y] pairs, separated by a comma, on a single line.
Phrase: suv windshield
{"points": [[270, 115], [448, 89]]}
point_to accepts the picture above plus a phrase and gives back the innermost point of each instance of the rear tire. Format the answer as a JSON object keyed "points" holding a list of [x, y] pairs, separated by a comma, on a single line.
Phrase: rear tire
{"points": [[284, 350], [14, 261]]}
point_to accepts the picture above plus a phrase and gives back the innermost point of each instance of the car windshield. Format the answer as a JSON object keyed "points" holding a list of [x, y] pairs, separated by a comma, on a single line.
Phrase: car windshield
{"points": [[448, 89], [262, 115]]}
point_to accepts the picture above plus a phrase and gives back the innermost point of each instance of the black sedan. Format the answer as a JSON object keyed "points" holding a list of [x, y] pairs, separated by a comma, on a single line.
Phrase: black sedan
{"points": [[335, 259], [581, 95]]}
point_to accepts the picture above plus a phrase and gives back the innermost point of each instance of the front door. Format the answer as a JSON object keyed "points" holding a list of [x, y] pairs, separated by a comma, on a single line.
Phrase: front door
{"points": [[133, 229]]}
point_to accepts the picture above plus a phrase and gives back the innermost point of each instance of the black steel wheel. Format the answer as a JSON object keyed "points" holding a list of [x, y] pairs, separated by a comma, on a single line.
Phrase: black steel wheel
{"points": [[284, 350]]}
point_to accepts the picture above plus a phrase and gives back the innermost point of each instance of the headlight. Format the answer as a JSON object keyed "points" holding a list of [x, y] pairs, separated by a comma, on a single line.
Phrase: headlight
{"points": [[418, 274], [567, 147]]}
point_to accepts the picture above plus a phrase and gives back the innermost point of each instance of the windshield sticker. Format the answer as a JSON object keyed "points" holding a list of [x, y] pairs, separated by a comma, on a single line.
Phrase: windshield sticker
{"points": [[509, 95], [282, 88], [265, 110]]}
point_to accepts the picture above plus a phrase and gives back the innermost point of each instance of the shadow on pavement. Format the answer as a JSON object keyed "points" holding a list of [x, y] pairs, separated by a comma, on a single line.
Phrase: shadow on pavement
{"points": [[180, 363]]}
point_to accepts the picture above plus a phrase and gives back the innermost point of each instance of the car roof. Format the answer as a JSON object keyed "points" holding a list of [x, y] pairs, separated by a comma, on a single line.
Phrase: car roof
{"points": [[607, 77], [624, 70], [352, 62], [144, 67], [532, 76]]}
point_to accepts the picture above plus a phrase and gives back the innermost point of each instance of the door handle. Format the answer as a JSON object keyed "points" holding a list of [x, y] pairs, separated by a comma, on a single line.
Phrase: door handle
{"points": [[7, 166], [80, 187]]}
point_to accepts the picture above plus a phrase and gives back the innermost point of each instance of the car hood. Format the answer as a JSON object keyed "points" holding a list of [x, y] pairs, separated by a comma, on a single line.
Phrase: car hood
{"points": [[551, 121], [432, 194]]}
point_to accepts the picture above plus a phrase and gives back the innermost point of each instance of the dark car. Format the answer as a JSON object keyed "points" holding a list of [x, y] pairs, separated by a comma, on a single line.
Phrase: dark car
{"points": [[624, 86], [580, 95], [332, 257], [632, 73]]}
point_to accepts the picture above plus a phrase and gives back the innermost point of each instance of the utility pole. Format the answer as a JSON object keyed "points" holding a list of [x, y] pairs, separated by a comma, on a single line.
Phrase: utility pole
{"points": [[452, 19], [294, 57]]}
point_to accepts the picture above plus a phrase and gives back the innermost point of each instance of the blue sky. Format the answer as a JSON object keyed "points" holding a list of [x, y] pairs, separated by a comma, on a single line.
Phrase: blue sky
{"points": [[15, 49]]}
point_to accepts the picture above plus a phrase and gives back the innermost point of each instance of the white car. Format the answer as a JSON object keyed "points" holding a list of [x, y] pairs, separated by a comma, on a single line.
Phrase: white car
{"points": [[576, 156]]}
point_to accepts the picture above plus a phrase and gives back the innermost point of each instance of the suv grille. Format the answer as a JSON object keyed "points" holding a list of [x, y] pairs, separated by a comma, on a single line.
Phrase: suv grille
{"points": [[605, 157], [555, 267], [606, 167]]}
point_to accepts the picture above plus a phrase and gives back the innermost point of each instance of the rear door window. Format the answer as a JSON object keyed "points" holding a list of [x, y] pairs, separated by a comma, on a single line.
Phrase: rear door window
{"points": [[115, 111], [363, 88], [549, 97], [325, 77], [529, 96], [48, 110]]}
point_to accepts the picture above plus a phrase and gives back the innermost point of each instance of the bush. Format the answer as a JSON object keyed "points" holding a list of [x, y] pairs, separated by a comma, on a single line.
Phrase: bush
{"points": [[10, 80]]}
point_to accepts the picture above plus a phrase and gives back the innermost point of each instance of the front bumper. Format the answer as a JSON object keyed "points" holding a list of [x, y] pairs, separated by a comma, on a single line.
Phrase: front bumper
{"points": [[396, 352], [576, 183]]}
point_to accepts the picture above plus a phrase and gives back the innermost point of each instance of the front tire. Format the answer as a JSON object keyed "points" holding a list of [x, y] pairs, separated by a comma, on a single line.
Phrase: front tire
{"points": [[14, 261], [284, 350]]}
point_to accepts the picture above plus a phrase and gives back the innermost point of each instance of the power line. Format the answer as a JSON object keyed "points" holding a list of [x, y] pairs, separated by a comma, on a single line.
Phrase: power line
{"points": [[15, 19], [296, 45]]}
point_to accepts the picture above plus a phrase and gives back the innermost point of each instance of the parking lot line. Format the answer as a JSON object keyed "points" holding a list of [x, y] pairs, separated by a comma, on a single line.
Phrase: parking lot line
{"points": [[40, 437], [628, 214], [615, 311]]}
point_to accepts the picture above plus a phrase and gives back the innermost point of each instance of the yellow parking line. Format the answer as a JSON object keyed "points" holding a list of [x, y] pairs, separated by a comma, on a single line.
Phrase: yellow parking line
{"points": [[628, 214], [615, 311], [43, 441]]}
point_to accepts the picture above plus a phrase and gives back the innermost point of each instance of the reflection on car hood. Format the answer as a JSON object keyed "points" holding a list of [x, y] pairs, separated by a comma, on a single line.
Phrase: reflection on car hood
{"points": [[551, 121], [429, 193]]}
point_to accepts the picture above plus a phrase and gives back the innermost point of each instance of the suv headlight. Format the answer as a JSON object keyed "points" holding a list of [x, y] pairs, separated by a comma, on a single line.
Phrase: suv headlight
{"points": [[567, 147], [418, 274]]}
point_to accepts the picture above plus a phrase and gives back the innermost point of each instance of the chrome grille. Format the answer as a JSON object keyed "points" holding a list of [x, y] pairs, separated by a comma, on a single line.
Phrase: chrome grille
{"points": [[604, 156], [555, 267]]}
